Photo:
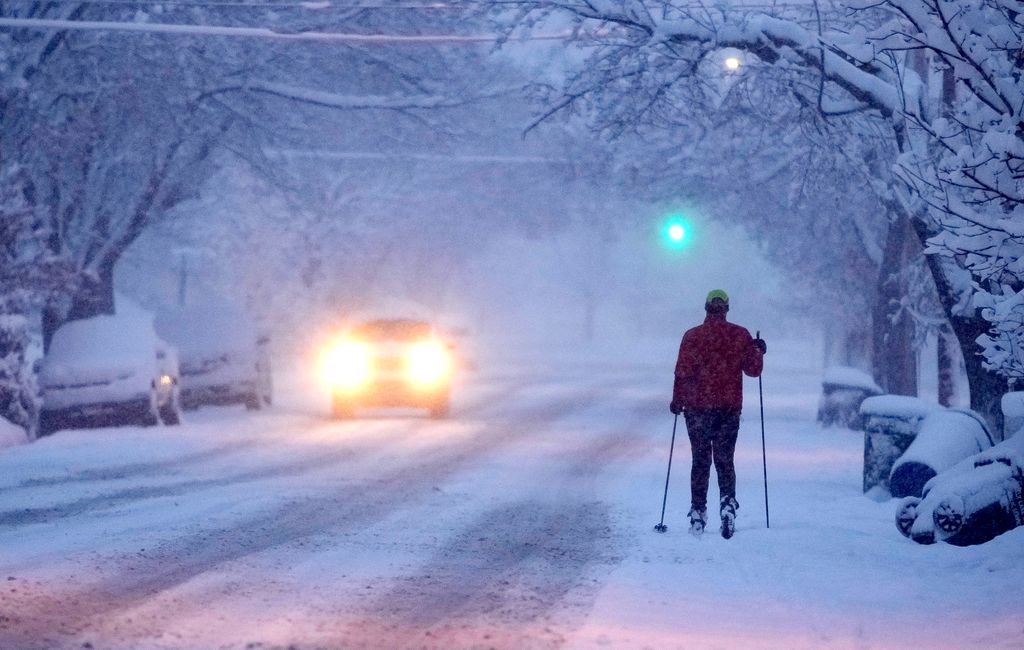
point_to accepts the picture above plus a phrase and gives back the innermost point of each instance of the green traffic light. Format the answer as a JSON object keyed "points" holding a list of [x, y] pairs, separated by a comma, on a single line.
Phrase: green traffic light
{"points": [[676, 232]]}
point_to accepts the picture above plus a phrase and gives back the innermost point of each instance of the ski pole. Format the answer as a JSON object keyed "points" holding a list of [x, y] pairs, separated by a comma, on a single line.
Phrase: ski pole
{"points": [[660, 526], [764, 455]]}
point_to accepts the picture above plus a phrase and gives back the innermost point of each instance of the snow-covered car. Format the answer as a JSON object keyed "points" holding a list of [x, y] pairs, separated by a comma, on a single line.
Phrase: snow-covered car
{"points": [[108, 370], [972, 502], [393, 362], [224, 360]]}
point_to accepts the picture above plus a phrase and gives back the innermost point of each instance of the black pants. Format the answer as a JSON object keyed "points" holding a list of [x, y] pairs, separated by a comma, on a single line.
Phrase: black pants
{"points": [[712, 437]]}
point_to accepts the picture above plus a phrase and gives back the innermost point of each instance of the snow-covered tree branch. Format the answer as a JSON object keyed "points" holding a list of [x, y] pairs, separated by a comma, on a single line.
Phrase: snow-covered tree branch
{"points": [[958, 173]]}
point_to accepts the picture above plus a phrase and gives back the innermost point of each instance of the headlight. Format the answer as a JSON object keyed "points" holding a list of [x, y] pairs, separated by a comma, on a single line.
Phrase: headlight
{"points": [[347, 364], [427, 363]]}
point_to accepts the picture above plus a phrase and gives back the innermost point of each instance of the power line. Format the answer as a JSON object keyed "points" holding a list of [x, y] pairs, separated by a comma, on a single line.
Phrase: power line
{"points": [[461, 158], [316, 5], [265, 32]]}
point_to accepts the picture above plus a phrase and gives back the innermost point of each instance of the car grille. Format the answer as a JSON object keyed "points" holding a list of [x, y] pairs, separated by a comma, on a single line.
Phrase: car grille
{"points": [[389, 364]]}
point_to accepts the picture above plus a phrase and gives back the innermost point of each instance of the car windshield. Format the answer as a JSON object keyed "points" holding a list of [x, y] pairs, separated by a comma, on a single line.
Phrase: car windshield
{"points": [[392, 330]]}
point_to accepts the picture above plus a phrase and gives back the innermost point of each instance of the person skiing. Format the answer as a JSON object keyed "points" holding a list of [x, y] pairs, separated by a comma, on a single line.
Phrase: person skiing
{"points": [[708, 391]]}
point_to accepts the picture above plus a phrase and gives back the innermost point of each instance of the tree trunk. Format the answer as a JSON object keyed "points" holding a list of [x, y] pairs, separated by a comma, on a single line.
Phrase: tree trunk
{"points": [[894, 359], [94, 297], [948, 358], [986, 387]]}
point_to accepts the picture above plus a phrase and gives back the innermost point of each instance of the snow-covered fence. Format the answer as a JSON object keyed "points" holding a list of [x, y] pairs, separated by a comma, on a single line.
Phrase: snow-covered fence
{"points": [[843, 390], [891, 423], [943, 439]]}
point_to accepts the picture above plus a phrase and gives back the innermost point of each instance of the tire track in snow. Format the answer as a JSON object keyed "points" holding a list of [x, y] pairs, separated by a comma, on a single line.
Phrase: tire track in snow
{"points": [[502, 582], [111, 499], [142, 577], [120, 472], [517, 574], [169, 466]]}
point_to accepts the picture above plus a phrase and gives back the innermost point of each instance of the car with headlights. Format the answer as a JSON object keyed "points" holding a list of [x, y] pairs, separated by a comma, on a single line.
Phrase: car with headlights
{"points": [[224, 359], [108, 370], [390, 362]]}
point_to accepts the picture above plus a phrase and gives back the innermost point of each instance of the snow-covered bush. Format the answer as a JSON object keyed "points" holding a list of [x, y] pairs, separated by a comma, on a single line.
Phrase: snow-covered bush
{"points": [[11, 434], [19, 398]]}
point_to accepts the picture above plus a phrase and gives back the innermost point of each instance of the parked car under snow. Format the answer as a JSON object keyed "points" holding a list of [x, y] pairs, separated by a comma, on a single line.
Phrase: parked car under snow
{"points": [[972, 502], [224, 360], [108, 370]]}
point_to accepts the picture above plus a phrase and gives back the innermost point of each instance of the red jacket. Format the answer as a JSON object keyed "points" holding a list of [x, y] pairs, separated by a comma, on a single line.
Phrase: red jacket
{"points": [[712, 360]]}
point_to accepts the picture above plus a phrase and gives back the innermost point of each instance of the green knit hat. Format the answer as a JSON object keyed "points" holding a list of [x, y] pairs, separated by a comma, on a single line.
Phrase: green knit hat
{"points": [[717, 293]]}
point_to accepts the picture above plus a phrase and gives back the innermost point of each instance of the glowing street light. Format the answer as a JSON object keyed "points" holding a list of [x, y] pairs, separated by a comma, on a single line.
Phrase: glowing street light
{"points": [[732, 63]]}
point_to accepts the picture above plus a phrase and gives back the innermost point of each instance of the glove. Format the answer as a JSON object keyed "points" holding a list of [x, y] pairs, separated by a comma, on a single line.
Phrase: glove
{"points": [[761, 345], [675, 407]]}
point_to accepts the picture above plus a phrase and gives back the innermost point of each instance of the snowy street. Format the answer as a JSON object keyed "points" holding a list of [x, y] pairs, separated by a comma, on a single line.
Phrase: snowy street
{"points": [[523, 521]]}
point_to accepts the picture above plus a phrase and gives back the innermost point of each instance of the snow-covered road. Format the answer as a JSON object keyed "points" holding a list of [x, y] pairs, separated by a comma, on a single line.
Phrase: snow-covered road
{"points": [[524, 521]]}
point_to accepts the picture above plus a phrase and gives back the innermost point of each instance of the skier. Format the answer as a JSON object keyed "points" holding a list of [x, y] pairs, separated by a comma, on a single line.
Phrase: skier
{"points": [[708, 391]]}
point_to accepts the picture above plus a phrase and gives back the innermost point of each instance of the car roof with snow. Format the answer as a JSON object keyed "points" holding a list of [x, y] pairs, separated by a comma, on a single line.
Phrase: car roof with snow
{"points": [[105, 335]]}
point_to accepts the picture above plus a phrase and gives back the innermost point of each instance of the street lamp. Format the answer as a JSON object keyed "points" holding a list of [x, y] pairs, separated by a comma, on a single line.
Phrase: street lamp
{"points": [[732, 63]]}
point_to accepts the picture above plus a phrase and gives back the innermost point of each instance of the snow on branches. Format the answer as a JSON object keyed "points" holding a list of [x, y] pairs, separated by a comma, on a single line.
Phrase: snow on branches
{"points": [[947, 77]]}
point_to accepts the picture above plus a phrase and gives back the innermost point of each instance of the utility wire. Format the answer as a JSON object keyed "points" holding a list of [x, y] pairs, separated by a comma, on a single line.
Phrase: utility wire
{"points": [[266, 32], [309, 4]]}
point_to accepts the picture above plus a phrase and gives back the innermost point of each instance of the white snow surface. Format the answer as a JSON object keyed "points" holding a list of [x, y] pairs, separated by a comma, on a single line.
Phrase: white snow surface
{"points": [[11, 434], [852, 377], [1013, 411], [524, 521], [944, 439], [898, 406]]}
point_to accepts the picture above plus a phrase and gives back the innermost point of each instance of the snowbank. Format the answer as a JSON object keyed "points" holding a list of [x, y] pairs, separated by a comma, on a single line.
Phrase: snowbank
{"points": [[898, 407], [11, 434], [851, 378]]}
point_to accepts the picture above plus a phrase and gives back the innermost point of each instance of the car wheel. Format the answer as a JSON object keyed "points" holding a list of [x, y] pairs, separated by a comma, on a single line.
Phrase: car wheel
{"points": [[49, 422], [170, 413], [149, 419], [441, 409], [253, 402], [266, 385]]}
